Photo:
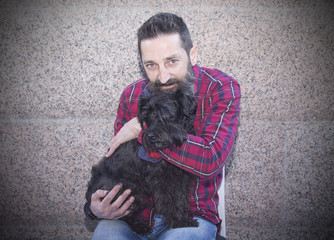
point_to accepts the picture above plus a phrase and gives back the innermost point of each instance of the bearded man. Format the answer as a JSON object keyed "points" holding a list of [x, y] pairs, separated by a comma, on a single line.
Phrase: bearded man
{"points": [[169, 62]]}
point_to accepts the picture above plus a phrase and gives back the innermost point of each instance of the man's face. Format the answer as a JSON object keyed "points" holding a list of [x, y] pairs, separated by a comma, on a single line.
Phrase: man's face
{"points": [[166, 63]]}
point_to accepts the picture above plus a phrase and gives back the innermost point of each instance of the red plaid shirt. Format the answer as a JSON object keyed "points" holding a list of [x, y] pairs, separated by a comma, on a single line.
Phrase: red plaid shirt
{"points": [[216, 122]]}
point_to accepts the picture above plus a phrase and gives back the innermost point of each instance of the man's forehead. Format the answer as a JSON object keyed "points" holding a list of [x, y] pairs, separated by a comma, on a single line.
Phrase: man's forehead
{"points": [[162, 37], [165, 58], [165, 46]]}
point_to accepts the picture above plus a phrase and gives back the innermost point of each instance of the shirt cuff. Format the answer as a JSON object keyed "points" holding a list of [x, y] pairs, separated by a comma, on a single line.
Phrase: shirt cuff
{"points": [[89, 213], [140, 140], [153, 154], [144, 156]]}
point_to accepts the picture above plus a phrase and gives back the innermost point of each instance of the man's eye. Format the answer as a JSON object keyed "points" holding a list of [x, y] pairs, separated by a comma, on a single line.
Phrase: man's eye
{"points": [[150, 65], [172, 63]]}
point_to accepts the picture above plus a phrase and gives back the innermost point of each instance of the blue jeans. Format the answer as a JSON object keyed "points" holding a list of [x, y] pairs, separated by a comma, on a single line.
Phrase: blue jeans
{"points": [[120, 230]]}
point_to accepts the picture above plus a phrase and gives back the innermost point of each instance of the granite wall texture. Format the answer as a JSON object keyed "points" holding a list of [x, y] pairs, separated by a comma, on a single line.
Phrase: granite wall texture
{"points": [[63, 65]]}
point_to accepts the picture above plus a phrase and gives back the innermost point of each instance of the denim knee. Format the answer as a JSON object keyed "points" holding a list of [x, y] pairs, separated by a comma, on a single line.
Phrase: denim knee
{"points": [[113, 230], [205, 231]]}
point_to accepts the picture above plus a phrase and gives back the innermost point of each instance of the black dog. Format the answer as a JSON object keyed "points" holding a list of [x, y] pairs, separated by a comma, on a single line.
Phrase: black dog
{"points": [[166, 119]]}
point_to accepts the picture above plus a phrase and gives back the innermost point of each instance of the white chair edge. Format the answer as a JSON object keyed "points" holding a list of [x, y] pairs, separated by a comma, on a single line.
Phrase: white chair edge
{"points": [[221, 205]]}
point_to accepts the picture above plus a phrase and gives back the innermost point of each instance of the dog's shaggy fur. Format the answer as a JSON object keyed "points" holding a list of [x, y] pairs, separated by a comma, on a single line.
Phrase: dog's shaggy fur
{"points": [[166, 119]]}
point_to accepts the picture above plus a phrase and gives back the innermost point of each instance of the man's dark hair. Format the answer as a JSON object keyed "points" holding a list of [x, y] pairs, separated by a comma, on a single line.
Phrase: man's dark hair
{"points": [[165, 24]]}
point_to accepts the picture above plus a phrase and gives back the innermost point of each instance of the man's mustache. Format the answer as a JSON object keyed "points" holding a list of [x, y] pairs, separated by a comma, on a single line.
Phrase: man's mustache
{"points": [[170, 82]]}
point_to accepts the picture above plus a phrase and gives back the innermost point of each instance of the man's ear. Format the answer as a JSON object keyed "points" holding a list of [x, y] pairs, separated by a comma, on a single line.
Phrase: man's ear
{"points": [[193, 55]]}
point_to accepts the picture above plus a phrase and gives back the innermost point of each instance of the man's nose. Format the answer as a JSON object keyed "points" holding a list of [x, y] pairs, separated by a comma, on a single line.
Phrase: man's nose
{"points": [[164, 75]]}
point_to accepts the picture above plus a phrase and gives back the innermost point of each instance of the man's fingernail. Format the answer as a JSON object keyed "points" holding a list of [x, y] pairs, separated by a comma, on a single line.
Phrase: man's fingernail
{"points": [[128, 192]]}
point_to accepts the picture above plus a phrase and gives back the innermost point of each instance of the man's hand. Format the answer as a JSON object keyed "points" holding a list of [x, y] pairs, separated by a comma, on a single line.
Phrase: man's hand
{"points": [[129, 131], [104, 210]]}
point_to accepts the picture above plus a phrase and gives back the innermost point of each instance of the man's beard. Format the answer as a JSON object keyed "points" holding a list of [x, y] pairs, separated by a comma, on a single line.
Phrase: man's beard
{"points": [[185, 84]]}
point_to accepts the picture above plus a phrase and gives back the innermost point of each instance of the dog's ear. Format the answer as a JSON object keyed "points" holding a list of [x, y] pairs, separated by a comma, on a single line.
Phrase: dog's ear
{"points": [[143, 108], [187, 103]]}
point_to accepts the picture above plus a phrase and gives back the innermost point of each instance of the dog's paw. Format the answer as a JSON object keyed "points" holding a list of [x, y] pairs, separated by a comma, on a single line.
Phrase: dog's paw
{"points": [[189, 222], [141, 228]]}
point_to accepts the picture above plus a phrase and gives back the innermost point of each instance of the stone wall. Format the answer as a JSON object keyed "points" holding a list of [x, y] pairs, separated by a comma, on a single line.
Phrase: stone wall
{"points": [[63, 65]]}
